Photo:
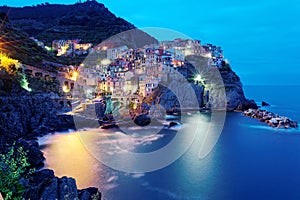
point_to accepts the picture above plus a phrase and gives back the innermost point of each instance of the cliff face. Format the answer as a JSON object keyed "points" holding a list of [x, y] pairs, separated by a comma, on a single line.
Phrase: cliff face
{"points": [[179, 98], [29, 115], [235, 96], [219, 89]]}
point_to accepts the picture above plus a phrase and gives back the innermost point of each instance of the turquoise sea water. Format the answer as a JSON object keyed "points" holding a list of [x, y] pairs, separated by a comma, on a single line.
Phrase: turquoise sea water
{"points": [[249, 161]]}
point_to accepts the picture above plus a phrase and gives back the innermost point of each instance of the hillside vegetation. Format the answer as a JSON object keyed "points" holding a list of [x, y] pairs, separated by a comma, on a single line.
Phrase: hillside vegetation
{"points": [[90, 21]]}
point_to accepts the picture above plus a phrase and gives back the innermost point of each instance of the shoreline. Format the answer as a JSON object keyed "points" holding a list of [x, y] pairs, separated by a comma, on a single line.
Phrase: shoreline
{"points": [[271, 119]]}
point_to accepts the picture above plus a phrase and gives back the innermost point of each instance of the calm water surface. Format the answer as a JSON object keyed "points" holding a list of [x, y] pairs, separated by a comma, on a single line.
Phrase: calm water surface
{"points": [[250, 160]]}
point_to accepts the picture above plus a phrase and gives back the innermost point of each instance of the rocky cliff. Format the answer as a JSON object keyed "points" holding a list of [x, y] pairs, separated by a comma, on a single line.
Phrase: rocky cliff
{"points": [[23, 117], [29, 116], [44, 185], [235, 97], [219, 88]]}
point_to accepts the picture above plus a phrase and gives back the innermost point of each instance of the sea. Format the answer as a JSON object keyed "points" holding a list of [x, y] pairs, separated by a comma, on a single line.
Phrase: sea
{"points": [[249, 161]]}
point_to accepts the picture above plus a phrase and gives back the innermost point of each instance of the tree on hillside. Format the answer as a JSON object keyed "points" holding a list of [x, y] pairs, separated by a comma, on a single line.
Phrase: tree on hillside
{"points": [[3, 17]]}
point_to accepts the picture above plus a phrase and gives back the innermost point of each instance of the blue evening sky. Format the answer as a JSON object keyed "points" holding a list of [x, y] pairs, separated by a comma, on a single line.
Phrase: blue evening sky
{"points": [[260, 37]]}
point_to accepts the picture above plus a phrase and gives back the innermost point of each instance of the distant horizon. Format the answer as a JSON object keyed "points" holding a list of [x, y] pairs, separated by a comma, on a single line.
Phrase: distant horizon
{"points": [[260, 43]]}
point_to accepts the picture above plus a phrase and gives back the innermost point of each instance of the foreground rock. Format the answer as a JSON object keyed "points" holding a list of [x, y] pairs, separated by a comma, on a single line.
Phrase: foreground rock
{"points": [[142, 120], [45, 186], [30, 115], [264, 104], [172, 124], [35, 156], [271, 119]]}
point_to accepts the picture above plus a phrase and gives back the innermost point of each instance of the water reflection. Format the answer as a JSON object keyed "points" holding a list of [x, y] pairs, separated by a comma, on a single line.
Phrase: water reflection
{"points": [[68, 156], [248, 162]]}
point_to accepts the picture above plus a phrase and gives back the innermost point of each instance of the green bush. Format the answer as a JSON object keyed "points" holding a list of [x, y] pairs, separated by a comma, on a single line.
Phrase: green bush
{"points": [[14, 167]]}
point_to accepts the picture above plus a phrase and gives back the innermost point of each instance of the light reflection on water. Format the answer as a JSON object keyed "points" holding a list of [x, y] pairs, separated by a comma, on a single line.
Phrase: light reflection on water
{"points": [[67, 155], [250, 160], [247, 163]]}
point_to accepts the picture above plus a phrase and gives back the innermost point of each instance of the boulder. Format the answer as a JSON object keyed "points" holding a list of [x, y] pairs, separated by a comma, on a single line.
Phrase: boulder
{"points": [[67, 188], [43, 185], [89, 193], [142, 120], [267, 117], [49, 192], [249, 104], [171, 124], [273, 121], [264, 104], [294, 124]]}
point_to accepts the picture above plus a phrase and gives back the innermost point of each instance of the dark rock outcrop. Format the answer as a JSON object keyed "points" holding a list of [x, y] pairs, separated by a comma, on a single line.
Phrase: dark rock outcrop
{"points": [[88, 193], [246, 104], [273, 120], [44, 185], [142, 120], [21, 116], [219, 89], [172, 124], [264, 104], [236, 99], [176, 103], [29, 116]]}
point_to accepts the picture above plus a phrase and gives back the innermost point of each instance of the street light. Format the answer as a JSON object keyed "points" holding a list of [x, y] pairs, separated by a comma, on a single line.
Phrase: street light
{"points": [[198, 78], [65, 89]]}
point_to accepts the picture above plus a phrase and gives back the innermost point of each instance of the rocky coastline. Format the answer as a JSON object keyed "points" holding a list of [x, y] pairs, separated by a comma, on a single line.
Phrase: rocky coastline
{"points": [[45, 185], [23, 119], [273, 120]]}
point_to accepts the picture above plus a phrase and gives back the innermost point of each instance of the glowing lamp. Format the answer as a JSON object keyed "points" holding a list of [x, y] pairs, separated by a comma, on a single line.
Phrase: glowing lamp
{"points": [[198, 78], [105, 62], [65, 89]]}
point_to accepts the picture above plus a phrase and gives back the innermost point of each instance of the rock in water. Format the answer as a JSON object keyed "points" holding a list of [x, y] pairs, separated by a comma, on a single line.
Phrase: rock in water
{"points": [[264, 104], [271, 119], [142, 120], [171, 124]]}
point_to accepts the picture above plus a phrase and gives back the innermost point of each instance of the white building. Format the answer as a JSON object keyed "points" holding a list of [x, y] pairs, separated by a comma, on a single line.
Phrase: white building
{"points": [[115, 53]]}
